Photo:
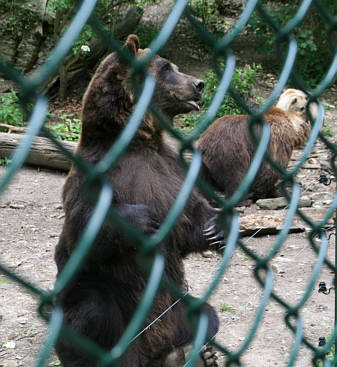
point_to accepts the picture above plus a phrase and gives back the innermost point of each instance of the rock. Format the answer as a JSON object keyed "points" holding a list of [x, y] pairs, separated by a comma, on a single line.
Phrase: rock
{"points": [[263, 224], [311, 166], [279, 203], [9, 345], [321, 196], [207, 254], [27, 51], [7, 47], [16, 206], [312, 161], [8, 363], [6, 85]]}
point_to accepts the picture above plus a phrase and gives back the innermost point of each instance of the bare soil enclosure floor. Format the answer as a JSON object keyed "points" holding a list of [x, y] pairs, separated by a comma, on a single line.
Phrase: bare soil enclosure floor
{"points": [[31, 218]]}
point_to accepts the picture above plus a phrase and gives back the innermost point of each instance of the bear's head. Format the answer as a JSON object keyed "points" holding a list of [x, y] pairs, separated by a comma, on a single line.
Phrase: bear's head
{"points": [[111, 97], [292, 99]]}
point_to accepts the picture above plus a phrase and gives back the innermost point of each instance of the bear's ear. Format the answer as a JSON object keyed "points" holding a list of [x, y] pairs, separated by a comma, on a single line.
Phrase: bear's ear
{"points": [[132, 44], [294, 101]]}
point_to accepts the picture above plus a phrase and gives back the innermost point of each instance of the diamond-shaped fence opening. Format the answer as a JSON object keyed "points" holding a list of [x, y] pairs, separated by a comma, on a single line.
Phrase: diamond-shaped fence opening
{"points": [[149, 251]]}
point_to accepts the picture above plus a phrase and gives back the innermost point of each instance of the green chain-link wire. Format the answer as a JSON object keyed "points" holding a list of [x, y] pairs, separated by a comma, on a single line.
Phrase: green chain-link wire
{"points": [[30, 90]]}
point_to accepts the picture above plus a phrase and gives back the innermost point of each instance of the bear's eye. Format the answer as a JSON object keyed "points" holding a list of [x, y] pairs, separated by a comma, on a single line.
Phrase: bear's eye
{"points": [[166, 67]]}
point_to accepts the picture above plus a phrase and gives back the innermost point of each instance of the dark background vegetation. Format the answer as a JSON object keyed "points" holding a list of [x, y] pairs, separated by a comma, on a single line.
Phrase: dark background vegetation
{"points": [[30, 29]]}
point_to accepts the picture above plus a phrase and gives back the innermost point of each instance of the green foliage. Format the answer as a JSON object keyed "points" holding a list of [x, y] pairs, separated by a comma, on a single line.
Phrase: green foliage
{"points": [[243, 80], [68, 128], [55, 5], [4, 162], [83, 40], [109, 11], [209, 16], [19, 18], [314, 54], [10, 111], [225, 308], [327, 130], [146, 33], [330, 356]]}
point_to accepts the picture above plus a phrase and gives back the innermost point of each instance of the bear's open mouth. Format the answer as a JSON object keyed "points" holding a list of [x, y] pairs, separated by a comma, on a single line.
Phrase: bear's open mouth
{"points": [[194, 105], [190, 102]]}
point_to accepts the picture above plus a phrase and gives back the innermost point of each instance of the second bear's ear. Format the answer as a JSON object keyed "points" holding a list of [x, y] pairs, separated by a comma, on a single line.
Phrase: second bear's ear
{"points": [[132, 44]]}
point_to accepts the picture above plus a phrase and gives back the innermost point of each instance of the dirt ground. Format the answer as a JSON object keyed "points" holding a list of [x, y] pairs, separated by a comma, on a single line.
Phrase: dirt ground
{"points": [[31, 219]]}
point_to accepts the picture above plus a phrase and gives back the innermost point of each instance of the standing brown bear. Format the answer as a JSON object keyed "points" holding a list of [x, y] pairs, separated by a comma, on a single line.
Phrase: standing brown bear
{"points": [[146, 181], [227, 147]]}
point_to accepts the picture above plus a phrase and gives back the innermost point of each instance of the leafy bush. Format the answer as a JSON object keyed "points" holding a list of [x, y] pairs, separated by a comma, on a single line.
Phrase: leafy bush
{"points": [[327, 129], [330, 356], [10, 111], [243, 80], [4, 162], [314, 54], [146, 33], [68, 128], [208, 14], [19, 18]]}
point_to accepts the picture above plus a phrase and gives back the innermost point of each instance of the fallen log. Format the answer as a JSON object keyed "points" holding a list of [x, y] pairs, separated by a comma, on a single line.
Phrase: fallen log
{"points": [[272, 222], [19, 129], [43, 152]]}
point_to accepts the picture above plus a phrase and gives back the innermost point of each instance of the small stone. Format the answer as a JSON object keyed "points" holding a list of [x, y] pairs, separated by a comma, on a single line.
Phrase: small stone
{"points": [[311, 166], [16, 206], [207, 254], [321, 196], [275, 268], [8, 363], [9, 345], [279, 203]]}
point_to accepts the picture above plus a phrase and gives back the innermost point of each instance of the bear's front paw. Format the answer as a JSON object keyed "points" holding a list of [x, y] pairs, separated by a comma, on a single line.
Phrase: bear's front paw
{"points": [[144, 219], [209, 356], [214, 236], [180, 356]]}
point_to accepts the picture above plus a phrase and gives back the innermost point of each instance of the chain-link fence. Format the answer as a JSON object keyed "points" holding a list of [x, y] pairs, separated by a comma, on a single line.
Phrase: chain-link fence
{"points": [[152, 259]]}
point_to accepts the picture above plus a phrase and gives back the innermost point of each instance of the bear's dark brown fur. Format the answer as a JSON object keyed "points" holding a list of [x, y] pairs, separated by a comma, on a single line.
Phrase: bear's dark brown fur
{"points": [[146, 181], [228, 150]]}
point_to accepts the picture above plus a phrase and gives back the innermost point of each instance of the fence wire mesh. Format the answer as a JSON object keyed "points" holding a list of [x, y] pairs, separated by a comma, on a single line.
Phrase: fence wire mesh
{"points": [[30, 88]]}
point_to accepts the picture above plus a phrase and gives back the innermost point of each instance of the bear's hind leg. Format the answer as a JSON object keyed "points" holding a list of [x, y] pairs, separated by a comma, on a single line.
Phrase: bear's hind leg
{"points": [[91, 310], [184, 338]]}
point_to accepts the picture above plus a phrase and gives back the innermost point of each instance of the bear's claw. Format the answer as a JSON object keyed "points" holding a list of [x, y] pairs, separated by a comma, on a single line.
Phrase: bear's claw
{"points": [[209, 356], [179, 357], [213, 235]]}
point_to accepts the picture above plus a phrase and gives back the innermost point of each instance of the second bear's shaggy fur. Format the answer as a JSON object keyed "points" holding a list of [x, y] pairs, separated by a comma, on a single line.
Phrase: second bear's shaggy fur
{"points": [[228, 150]]}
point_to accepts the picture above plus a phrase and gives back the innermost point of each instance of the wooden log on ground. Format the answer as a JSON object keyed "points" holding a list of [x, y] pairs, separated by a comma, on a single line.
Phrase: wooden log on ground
{"points": [[43, 152]]}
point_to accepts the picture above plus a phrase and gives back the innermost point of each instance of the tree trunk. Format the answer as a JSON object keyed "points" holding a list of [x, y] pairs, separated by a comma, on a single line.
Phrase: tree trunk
{"points": [[78, 63], [43, 152]]}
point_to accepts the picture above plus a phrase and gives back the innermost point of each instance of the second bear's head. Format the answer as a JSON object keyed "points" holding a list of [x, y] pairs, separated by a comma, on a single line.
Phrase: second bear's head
{"points": [[112, 93]]}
